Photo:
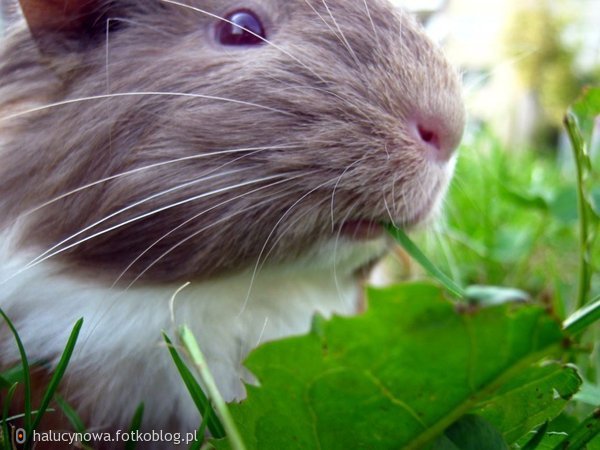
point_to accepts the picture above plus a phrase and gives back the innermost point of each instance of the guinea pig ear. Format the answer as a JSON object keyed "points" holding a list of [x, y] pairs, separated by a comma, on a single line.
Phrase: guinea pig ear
{"points": [[52, 22]]}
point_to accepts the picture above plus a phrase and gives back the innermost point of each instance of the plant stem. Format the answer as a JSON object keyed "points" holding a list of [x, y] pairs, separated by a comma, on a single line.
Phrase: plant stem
{"points": [[191, 345], [583, 318], [579, 150]]}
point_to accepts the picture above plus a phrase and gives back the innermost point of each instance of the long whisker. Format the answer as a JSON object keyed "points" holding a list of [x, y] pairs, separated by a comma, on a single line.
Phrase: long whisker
{"points": [[135, 204], [284, 230], [358, 161], [266, 41], [335, 248], [194, 217], [310, 5], [137, 218], [196, 233], [139, 94], [387, 207], [253, 150], [347, 44], [107, 40], [285, 214], [372, 24], [159, 194]]}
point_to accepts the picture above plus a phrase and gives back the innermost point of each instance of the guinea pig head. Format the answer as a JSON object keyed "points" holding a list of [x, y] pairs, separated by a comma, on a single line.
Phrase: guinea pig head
{"points": [[175, 140]]}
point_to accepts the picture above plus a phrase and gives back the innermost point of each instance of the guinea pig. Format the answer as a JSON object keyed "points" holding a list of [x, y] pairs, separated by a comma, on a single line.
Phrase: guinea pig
{"points": [[252, 148]]}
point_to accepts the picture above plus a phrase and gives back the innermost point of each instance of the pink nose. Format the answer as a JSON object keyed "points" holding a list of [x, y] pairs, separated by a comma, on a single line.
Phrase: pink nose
{"points": [[438, 140]]}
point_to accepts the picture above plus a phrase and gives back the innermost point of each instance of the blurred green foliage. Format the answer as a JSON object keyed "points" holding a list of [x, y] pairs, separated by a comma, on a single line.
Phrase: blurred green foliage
{"points": [[511, 220], [544, 63]]}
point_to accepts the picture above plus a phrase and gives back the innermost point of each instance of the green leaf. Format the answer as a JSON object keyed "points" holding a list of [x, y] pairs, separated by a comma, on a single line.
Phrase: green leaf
{"points": [[399, 375], [73, 418], [11, 376], [564, 205], [588, 219], [527, 200], [471, 431]]}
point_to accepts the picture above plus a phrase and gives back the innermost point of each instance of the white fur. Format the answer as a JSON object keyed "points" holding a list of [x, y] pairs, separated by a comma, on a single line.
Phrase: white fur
{"points": [[120, 359]]}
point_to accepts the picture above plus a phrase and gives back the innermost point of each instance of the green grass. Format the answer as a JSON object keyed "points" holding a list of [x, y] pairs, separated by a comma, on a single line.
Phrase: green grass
{"points": [[512, 220]]}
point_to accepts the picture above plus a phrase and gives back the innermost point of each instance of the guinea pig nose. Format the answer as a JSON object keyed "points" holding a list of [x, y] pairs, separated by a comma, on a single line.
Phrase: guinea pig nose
{"points": [[428, 136], [437, 140]]}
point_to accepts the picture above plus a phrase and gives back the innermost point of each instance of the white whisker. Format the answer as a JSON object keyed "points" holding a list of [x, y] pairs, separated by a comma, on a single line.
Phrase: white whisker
{"points": [[252, 150], [336, 186], [135, 204], [139, 94], [258, 261], [345, 41], [372, 24], [194, 217], [335, 247], [47, 256], [196, 233]]}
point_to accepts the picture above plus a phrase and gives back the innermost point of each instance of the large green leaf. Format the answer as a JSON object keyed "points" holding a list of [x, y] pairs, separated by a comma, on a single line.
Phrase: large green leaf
{"points": [[399, 375]]}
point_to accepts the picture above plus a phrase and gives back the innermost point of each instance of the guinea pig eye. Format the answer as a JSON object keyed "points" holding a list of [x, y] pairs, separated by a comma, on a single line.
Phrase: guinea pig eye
{"points": [[242, 27]]}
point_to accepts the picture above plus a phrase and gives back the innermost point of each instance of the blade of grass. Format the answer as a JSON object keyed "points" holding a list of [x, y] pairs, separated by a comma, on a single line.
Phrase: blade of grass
{"points": [[585, 432], [208, 411], [71, 415], [5, 408], [26, 373], [58, 374], [583, 166], [73, 418], [196, 445], [583, 318], [195, 390], [191, 345], [13, 375], [401, 237], [136, 423]]}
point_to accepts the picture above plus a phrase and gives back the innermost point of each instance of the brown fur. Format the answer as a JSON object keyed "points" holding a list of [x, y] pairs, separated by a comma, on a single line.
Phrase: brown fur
{"points": [[339, 120]]}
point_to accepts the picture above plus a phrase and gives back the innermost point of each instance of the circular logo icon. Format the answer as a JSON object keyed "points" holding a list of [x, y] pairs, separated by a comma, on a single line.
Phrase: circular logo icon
{"points": [[20, 436]]}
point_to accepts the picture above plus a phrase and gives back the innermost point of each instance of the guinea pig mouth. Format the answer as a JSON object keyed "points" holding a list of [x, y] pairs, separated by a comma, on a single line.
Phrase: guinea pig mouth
{"points": [[360, 230]]}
